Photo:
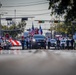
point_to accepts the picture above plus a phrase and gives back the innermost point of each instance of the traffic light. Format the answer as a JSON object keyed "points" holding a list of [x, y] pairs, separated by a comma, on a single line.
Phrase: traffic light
{"points": [[9, 19], [41, 21], [23, 19], [56, 21]]}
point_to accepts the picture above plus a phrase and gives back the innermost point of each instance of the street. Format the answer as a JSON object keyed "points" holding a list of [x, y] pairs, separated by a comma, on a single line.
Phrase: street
{"points": [[38, 62]]}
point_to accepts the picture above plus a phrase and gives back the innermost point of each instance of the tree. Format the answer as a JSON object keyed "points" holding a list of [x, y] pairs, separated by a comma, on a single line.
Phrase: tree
{"points": [[64, 28], [14, 30], [60, 7]]}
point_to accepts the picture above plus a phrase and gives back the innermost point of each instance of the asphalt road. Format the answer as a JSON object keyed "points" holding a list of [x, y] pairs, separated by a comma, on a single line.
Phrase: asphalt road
{"points": [[38, 62]]}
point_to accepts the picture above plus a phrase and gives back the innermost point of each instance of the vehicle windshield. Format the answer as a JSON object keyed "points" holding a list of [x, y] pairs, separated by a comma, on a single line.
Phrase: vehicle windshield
{"points": [[53, 40], [39, 36]]}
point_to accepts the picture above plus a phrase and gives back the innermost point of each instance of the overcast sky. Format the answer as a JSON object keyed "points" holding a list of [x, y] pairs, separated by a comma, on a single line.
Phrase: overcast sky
{"points": [[25, 7]]}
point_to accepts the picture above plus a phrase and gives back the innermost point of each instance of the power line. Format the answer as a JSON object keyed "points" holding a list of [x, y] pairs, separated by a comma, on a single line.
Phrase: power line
{"points": [[31, 14], [34, 1], [25, 1], [26, 5], [31, 2], [23, 16], [24, 10]]}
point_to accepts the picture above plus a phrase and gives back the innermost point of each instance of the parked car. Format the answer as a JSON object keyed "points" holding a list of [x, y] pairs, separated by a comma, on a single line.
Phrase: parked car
{"points": [[63, 41], [53, 42], [38, 41]]}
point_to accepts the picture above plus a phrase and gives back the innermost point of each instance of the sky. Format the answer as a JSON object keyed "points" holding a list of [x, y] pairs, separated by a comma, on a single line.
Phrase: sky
{"points": [[27, 8]]}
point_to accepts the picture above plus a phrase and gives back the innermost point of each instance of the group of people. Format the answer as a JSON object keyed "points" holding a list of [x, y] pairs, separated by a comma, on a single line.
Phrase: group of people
{"points": [[27, 41], [70, 44]]}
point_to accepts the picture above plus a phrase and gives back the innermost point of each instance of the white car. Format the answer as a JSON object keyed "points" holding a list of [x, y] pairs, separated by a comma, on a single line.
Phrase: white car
{"points": [[63, 42], [53, 42]]}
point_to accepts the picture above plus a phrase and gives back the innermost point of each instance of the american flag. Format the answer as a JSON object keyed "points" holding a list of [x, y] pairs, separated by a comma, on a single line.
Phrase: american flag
{"points": [[32, 31]]}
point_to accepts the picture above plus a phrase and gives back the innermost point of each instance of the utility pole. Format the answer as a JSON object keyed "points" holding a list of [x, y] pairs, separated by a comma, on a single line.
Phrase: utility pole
{"points": [[0, 21], [15, 15]]}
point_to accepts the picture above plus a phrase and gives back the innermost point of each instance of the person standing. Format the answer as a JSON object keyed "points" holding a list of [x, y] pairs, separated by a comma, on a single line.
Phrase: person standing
{"points": [[48, 42], [58, 43], [30, 39], [67, 42], [63, 44], [27, 42], [72, 43], [23, 43]]}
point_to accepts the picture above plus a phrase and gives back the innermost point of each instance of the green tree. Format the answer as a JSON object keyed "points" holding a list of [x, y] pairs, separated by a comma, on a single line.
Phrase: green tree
{"points": [[65, 28], [60, 7], [14, 30]]}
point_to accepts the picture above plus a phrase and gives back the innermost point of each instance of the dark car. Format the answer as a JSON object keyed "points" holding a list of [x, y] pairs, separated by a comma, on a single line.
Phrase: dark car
{"points": [[38, 41]]}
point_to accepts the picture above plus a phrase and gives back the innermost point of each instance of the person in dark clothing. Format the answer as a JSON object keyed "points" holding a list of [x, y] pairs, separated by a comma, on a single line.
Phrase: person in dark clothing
{"points": [[67, 42], [48, 42], [58, 43], [72, 43], [27, 42], [30, 39], [23, 43], [63, 44]]}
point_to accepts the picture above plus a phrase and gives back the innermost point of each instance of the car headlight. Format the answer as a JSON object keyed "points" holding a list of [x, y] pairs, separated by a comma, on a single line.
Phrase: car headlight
{"points": [[55, 42], [33, 40]]}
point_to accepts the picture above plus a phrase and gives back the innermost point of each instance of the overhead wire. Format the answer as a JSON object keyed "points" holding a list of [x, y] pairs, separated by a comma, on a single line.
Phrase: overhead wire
{"points": [[25, 2], [26, 5], [24, 10], [33, 1], [31, 15]]}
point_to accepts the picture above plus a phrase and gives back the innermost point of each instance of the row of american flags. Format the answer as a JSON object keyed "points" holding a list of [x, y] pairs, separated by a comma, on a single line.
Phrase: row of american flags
{"points": [[34, 30]]}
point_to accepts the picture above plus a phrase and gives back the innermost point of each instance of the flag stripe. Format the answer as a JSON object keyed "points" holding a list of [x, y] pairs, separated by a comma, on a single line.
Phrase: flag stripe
{"points": [[11, 42], [15, 42]]}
